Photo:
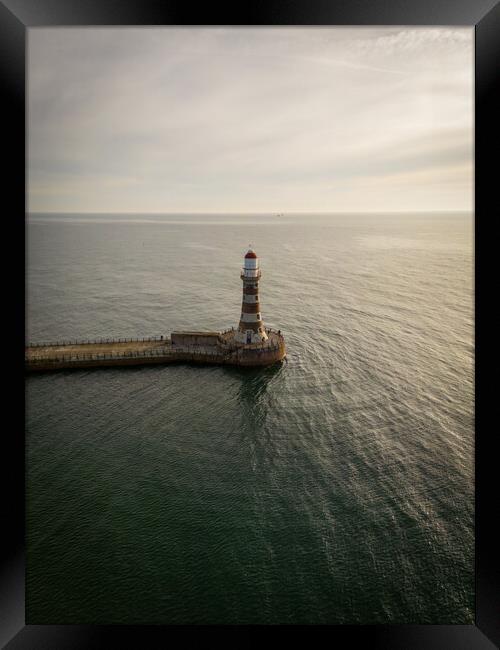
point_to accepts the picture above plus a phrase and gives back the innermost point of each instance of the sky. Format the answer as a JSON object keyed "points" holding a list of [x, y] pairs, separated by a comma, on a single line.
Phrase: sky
{"points": [[240, 119]]}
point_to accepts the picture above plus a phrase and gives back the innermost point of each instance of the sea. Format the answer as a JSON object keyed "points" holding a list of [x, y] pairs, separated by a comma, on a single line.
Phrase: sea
{"points": [[336, 487]]}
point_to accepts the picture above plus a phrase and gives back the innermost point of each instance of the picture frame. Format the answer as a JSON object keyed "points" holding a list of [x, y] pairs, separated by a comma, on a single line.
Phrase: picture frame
{"points": [[18, 16]]}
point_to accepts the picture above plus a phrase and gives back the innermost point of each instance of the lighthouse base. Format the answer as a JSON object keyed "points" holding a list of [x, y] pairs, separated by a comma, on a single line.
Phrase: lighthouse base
{"points": [[258, 353]]}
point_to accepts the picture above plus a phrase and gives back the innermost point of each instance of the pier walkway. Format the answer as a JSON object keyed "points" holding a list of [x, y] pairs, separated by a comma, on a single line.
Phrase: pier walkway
{"points": [[197, 347]]}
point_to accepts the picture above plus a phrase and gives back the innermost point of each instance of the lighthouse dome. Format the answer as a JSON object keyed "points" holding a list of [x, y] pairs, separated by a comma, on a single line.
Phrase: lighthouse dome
{"points": [[251, 255]]}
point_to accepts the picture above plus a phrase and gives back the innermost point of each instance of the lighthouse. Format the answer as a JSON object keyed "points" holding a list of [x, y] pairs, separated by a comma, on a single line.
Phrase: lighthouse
{"points": [[251, 327]]}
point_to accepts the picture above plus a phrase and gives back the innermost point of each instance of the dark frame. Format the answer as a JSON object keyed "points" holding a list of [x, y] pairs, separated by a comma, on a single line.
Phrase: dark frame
{"points": [[484, 15]]}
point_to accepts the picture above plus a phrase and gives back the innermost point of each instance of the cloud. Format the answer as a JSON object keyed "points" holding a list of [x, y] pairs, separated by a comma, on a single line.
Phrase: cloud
{"points": [[237, 119]]}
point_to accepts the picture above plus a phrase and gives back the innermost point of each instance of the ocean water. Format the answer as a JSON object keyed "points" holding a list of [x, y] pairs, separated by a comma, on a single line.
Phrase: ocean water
{"points": [[337, 487]]}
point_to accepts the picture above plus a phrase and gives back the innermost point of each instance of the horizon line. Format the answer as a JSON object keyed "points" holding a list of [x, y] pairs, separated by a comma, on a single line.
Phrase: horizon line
{"points": [[273, 213]]}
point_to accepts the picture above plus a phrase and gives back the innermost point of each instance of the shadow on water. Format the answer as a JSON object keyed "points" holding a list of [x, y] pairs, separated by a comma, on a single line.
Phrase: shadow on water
{"points": [[248, 388], [253, 393], [254, 381], [265, 373]]}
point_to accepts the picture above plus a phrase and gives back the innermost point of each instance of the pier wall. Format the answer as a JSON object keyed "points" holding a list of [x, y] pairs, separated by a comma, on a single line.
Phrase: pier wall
{"points": [[258, 356], [194, 338]]}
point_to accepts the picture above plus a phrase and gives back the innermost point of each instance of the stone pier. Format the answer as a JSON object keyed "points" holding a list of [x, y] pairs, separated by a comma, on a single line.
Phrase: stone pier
{"points": [[196, 347]]}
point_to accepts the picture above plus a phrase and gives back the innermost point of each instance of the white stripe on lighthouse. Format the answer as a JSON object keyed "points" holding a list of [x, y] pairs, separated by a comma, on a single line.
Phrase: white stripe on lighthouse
{"points": [[250, 318]]}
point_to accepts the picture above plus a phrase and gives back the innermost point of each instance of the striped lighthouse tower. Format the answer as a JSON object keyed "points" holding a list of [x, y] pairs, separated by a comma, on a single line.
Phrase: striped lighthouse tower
{"points": [[251, 328]]}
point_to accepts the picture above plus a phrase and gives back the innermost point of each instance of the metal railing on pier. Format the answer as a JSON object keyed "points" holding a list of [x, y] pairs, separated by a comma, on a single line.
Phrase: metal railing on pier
{"points": [[139, 354], [99, 341], [105, 341]]}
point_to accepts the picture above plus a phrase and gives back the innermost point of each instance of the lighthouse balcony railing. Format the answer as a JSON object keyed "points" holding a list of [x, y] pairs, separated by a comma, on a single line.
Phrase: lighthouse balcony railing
{"points": [[250, 274], [271, 330]]}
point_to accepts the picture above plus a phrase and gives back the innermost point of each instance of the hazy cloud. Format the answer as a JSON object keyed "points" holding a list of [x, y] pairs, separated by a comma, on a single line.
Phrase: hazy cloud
{"points": [[241, 119]]}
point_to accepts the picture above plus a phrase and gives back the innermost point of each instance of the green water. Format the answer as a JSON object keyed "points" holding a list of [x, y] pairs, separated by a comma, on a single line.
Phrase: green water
{"points": [[335, 488]]}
